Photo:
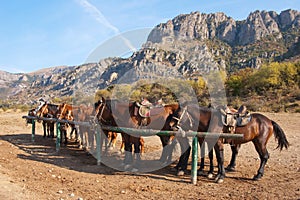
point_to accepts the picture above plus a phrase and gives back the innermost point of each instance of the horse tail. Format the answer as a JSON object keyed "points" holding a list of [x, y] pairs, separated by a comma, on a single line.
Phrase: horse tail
{"points": [[280, 136]]}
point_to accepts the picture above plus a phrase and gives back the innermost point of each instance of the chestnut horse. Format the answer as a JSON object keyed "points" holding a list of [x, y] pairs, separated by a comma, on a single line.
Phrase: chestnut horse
{"points": [[85, 114], [258, 130], [66, 111]]}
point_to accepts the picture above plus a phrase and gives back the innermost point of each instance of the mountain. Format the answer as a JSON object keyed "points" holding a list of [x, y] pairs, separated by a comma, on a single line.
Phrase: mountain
{"points": [[187, 46]]}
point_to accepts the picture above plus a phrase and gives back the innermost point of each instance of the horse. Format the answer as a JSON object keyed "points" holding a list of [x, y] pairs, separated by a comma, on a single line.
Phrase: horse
{"points": [[84, 114], [47, 110], [156, 116], [128, 115], [258, 131], [104, 116], [66, 111], [182, 116]]}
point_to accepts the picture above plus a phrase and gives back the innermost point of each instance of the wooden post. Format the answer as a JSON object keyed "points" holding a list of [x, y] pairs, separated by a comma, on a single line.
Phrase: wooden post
{"points": [[98, 144], [33, 130], [58, 136], [194, 160]]}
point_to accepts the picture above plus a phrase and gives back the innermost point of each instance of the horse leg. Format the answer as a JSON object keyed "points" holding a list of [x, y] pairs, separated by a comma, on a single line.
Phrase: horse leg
{"points": [[142, 145], [76, 133], [200, 171], [264, 156], [51, 129], [220, 159], [170, 148], [183, 160], [65, 135], [128, 151], [80, 145], [91, 138], [44, 128], [137, 151], [234, 152], [211, 163], [122, 148], [164, 141], [104, 140], [48, 129], [113, 139]]}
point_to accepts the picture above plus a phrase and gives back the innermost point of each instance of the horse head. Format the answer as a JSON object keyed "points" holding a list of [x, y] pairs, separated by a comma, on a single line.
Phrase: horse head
{"points": [[182, 119]]}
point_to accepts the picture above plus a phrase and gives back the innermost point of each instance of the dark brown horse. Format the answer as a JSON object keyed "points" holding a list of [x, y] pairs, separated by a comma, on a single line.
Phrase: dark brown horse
{"points": [[191, 117], [126, 115], [107, 111], [258, 130], [47, 110], [104, 117]]}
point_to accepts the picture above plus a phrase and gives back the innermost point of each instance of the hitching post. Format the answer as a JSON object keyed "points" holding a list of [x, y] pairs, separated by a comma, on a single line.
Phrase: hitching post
{"points": [[194, 160], [33, 130], [98, 146], [58, 136]]}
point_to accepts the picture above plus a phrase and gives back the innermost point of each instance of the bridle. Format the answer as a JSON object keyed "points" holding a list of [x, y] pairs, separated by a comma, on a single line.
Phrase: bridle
{"points": [[99, 116], [179, 120]]}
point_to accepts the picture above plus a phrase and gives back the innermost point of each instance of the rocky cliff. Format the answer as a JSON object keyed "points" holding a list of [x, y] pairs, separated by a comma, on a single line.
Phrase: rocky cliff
{"points": [[187, 46]]}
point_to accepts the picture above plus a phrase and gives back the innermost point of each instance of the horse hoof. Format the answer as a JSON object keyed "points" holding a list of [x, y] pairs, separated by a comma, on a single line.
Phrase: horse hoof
{"points": [[134, 170], [210, 176], [230, 169], [127, 166], [180, 173], [110, 148], [200, 173], [257, 177], [220, 180]]}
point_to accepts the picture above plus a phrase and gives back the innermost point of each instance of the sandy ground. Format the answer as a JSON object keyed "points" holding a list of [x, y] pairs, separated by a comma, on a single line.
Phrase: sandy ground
{"points": [[35, 171]]}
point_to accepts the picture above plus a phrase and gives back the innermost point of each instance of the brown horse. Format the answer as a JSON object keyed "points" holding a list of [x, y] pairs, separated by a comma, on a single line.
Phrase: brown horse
{"points": [[66, 111], [126, 115], [258, 130], [104, 116], [84, 114]]}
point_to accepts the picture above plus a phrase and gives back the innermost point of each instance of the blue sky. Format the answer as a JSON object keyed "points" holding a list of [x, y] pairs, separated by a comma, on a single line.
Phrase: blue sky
{"points": [[37, 34]]}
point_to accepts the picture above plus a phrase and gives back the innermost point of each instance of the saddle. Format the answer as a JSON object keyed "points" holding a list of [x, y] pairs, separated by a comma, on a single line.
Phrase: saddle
{"points": [[238, 118], [148, 110]]}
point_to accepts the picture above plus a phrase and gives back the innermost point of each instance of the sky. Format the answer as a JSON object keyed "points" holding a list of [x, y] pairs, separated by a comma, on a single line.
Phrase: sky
{"points": [[36, 34]]}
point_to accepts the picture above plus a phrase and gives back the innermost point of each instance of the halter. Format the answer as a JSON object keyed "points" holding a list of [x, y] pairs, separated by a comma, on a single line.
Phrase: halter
{"points": [[180, 118], [39, 107], [101, 112]]}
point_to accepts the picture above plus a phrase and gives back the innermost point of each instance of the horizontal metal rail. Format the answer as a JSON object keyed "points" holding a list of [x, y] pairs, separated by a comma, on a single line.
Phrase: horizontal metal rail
{"points": [[145, 132], [138, 132], [58, 120], [151, 132]]}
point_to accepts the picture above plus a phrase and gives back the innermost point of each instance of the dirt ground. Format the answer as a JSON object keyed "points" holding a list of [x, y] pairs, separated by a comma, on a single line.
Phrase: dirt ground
{"points": [[35, 171]]}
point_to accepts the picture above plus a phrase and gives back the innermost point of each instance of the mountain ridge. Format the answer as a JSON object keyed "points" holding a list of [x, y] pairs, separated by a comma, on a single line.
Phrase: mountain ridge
{"points": [[188, 45]]}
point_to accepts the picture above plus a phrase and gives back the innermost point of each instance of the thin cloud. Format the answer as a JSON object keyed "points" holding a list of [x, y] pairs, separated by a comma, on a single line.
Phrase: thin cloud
{"points": [[98, 16]]}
